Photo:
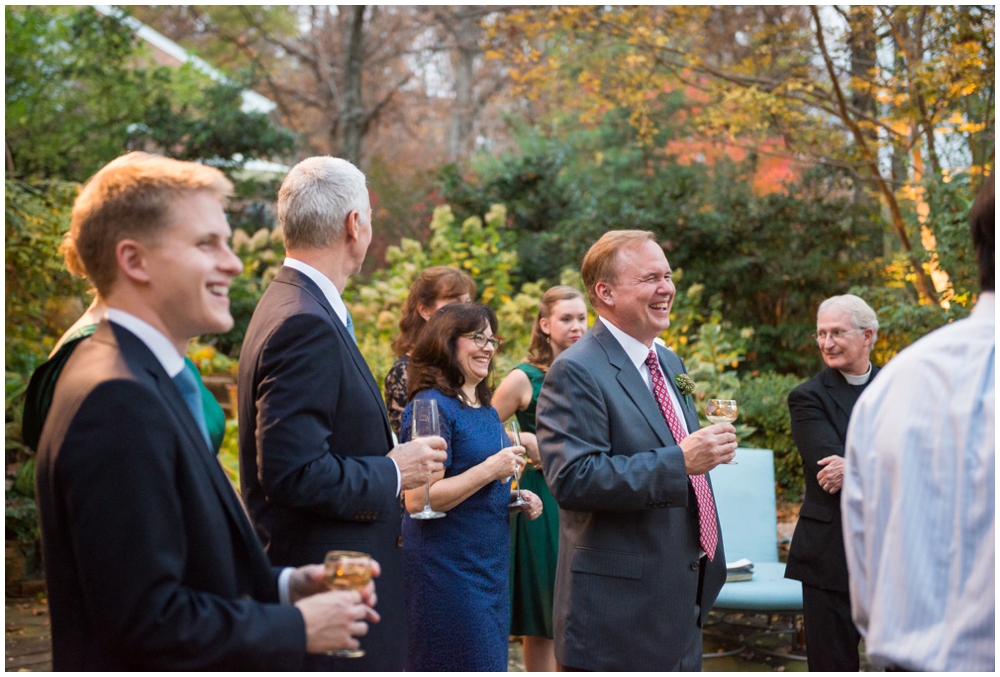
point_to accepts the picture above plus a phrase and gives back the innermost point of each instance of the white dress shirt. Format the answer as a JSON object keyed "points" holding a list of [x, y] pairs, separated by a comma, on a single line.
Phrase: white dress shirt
{"points": [[638, 352], [173, 362], [332, 294], [918, 502]]}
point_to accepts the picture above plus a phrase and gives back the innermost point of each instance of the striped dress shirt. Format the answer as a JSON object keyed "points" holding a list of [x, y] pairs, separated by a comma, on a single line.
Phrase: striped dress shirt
{"points": [[918, 502]]}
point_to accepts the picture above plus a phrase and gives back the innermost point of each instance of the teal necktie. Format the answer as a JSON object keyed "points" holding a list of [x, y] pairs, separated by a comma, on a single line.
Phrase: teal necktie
{"points": [[350, 326], [191, 393]]}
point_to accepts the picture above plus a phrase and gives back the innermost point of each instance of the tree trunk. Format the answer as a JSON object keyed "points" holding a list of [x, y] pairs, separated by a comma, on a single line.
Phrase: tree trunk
{"points": [[352, 113], [463, 113]]}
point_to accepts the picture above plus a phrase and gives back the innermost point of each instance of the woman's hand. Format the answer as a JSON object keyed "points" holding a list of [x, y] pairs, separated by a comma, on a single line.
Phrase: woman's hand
{"points": [[504, 463], [530, 443], [534, 507]]}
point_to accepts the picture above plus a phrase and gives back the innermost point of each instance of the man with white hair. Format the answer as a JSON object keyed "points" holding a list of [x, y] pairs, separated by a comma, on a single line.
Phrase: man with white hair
{"points": [[820, 408], [317, 463]]}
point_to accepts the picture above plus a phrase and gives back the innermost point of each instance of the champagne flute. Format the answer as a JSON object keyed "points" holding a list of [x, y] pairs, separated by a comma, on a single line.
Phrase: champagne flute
{"points": [[347, 570], [513, 431], [425, 423], [722, 411]]}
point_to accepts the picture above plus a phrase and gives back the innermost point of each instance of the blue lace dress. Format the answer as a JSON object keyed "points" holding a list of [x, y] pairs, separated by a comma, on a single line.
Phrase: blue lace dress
{"points": [[457, 600]]}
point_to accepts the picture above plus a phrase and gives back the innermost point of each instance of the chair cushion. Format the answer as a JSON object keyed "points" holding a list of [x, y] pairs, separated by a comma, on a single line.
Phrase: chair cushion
{"points": [[768, 590]]}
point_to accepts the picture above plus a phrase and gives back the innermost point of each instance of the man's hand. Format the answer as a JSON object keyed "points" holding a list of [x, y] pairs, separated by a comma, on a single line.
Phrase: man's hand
{"points": [[419, 459], [333, 619], [309, 580], [706, 448], [831, 477], [530, 444]]}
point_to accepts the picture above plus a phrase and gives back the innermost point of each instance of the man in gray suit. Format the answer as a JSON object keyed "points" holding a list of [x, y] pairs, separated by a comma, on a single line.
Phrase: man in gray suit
{"points": [[640, 549]]}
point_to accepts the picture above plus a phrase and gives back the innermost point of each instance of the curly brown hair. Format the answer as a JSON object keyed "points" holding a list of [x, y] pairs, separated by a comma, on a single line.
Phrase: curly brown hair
{"points": [[433, 284], [433, 363]]}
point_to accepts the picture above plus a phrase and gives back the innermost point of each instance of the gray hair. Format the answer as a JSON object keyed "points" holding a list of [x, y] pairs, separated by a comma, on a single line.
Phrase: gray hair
{"points": [[862, 315], [316, 198]]}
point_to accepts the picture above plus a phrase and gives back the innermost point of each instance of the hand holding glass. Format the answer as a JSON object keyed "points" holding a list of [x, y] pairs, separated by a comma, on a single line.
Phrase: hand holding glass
{"points": [[722, 411], [347, 570], [425, 424], [513, 431]]}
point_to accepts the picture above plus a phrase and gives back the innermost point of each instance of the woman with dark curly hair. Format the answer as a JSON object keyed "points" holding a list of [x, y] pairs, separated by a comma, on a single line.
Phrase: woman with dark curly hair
{"points": [[434, 288], [457, 600]]}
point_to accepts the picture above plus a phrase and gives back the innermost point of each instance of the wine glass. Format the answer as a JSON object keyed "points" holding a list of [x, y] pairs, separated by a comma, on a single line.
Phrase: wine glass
{"points": [[347, 570], [722, 411], [425, 423], [513, 431]]}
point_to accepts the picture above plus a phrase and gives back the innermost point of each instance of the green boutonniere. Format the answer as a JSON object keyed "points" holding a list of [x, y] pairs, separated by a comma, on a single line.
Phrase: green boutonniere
{"points": [[684, 383]]}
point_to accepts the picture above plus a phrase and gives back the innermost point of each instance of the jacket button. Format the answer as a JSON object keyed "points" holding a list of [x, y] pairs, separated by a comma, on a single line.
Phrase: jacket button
{"points": [[694, 566], [399, 542]]}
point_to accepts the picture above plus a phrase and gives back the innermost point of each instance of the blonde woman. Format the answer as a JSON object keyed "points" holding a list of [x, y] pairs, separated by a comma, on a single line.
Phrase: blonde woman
{"points": [[561, 322]]}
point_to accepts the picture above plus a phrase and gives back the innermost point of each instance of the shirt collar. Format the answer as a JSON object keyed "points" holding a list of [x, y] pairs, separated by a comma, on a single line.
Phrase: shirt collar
{"points": [[328, 288], [985, 309], [858, 379], [636, 350], [161, 347]]}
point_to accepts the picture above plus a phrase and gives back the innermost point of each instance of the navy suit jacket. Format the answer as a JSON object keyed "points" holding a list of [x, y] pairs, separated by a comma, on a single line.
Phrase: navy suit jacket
{"points": [[820, 410], [314, 435], [149, 559], [630, 591]]}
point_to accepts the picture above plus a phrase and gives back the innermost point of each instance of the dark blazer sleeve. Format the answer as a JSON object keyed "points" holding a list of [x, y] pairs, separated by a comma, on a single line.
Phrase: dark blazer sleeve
{"points": [[814, 432], [582, 470], [125, 500], [299, 461]]}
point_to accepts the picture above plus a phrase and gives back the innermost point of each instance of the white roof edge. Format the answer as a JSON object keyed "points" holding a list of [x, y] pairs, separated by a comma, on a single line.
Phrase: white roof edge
{"points": [[252, 101]]}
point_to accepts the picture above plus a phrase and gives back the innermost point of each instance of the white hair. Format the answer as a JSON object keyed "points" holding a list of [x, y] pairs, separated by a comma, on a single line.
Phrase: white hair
{"points": [[316, 198], [862, 316]]}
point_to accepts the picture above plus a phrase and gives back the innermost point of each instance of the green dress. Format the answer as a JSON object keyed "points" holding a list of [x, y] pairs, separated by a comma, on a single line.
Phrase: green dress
{"points": [[38, 398], [534, 543]]}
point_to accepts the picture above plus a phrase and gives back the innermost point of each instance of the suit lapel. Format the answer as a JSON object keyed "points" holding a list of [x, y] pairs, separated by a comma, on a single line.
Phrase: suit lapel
{"points": [[687, 406], [632, 383], [840, 392], [296, 278], [136, 352]]}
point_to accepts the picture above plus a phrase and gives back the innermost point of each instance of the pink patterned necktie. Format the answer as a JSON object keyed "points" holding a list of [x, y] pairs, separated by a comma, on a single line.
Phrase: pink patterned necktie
{"points": [[706, 504]]}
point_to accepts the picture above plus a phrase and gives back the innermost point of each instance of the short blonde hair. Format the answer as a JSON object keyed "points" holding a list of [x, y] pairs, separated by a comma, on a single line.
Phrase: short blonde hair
{"points": [[130, 197], [601, 262]]}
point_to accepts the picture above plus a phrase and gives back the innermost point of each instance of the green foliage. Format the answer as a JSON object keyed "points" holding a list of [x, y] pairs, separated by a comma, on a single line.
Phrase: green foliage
{"points": [[229, 452], [763, 401], [768, 259], [21, 519], [38, 285], [80, 91]]}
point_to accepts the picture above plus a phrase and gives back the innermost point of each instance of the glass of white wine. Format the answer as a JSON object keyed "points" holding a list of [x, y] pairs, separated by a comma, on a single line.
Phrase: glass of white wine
{"points": [[347, 570], [425, 424], [722, 411], [513, 431]]}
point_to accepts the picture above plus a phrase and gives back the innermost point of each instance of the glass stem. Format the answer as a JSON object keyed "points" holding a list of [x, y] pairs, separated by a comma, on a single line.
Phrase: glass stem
{"points": [[427, 497]]}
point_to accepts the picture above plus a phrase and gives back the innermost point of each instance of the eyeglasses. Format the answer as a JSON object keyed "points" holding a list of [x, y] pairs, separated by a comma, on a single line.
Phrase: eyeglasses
{"points": [[835, 335], [480, 339]]}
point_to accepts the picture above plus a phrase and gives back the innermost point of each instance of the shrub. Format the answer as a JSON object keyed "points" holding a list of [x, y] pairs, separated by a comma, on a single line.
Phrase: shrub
{"points": [[764, 405]]}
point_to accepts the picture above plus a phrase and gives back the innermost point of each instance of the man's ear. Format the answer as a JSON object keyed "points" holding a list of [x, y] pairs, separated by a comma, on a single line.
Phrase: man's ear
{"points": [[131, 257], [352, 225], [603, 292]]}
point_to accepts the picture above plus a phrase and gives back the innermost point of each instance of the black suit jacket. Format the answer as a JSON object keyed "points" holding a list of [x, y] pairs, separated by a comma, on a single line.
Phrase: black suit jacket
{"points": [[630, 592], [149, 559], [313, 438], [820, 410]]}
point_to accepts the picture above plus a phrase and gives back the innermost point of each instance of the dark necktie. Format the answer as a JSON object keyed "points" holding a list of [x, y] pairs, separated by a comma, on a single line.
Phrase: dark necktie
{"points": [[188, 386], [709, 536]]}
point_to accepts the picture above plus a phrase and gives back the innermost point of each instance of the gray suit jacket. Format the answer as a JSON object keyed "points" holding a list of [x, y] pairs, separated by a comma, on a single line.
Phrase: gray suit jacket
{"points": [[630, 593]]}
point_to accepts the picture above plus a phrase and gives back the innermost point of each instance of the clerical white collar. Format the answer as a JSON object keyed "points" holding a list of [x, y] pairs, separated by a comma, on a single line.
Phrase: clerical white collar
{"points": [[858, 380], [162, 348], [325, 285]]}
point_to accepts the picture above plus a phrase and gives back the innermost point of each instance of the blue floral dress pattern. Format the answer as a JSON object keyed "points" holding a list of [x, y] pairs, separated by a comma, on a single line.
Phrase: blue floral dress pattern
{"points": [[457, 600]]}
